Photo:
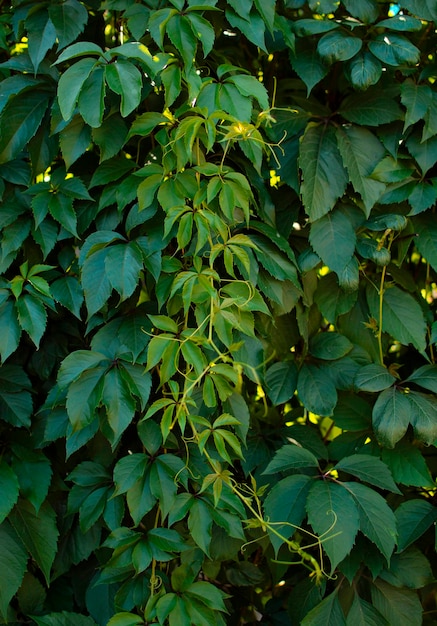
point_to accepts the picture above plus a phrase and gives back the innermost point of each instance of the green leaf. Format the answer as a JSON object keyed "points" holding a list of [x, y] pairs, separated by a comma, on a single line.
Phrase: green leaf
{"points": [[333, 238], [38, 532], [281, 380], [19, 122], [9, 487], [253, 27], [95, 282], [69, 19], [409, 569], [125, 79], [362, 613], [416, 99], [34, 474], [316, 391], [334, 517], [396, 605], [423, 409], [307, 64], [42, 35], [363, 71], [285, 506], [68, 292], [74, 139], [10, 331], [395, 50], [407, 465], [423, 196], [402, 316], [203, 31], [424, 152], [425, 376], [373, 377], [377, 520], [120, 405], [331, 299], [391, 416], [324, 177], [402, 22], [329, 611], [60, 619], [414, 517], [70, 85], [426, 240], [123, 263], [291, 457], [352, 413], [13, 565], [125, 619], [361, 151], [365, 10], [84, 396], [76, 363], [372, 108], [369, 469], [329, 346], [110, 136], [91, 97], [338, 45], [32, 317], [182, 37], [250, 87], [200, 524]]}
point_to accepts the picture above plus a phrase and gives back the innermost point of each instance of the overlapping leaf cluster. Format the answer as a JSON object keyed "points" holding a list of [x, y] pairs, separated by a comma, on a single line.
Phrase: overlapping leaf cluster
{"points": [[217, 312]]}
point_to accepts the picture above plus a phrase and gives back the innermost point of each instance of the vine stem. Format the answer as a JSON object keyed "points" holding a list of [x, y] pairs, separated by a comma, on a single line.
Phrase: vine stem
{"points": [[381, 299]]}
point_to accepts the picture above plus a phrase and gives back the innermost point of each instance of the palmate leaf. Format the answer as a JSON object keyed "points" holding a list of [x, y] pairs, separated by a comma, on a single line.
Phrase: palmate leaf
{"points": [[334, 516], [69, 19], [324, 178]]}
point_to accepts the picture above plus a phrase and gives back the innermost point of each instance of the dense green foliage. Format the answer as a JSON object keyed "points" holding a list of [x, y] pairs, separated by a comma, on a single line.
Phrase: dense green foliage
{"points": [[217, 312]]}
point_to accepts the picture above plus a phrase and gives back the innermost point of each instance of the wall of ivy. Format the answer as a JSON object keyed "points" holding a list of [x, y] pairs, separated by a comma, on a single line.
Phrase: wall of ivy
{"points": [[218, 286]]}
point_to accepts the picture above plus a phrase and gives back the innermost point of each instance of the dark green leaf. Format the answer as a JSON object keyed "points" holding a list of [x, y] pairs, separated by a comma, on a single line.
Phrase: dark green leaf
{"points": [[333, 239], [426, 241], [334, 516], [329, 611], [316, 391], [364, 70], [32, 317], [369, 469], [407, 465], [414, 517], [423, 409], [372, 108], [286, 503], [125, 79], [364, 614], [9, 488], [60, 619], [70, 85], [352, 413], [329, 346], [361, 151], [281, 380], [123, 263], [13, 562], [10, 330], [424, 152], [307, 64], [91, 97], [38, 532], [402, 316], [338, 46], [377, 520], [69, 19], [324, 177], [19, 122], [396, 605], [391, 416], [291, 457], [365, 10], [42, 36], [394, 50], [374, 377], [409, 569]]}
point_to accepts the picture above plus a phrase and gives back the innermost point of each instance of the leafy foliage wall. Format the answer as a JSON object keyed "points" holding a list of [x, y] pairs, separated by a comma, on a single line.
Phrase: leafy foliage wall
{"points": [[217, 312]]}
